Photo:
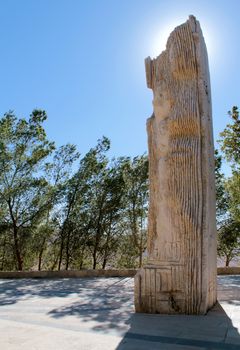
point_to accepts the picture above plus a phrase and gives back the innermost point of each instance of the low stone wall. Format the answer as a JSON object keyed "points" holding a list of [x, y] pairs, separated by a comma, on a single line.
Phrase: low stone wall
{"points": [[230, 270], [68, 274], [93, 273]]}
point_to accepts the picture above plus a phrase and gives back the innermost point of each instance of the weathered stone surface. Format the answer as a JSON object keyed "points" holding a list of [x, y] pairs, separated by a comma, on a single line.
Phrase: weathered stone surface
{"points": [[180, 276]]}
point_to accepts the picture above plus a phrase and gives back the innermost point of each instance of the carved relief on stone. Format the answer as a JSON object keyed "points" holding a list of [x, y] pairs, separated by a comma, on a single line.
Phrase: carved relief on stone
{"points": [[181, 228]]}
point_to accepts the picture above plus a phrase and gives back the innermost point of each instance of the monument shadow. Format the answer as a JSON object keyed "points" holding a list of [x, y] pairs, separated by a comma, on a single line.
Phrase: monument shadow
{"points": [[182, 332]]}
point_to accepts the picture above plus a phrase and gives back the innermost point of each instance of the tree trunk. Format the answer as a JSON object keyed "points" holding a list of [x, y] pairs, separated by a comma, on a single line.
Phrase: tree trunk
{"points": [[54, 264], [140, 257], [40, 261], [106, 250], [17, 249], [19, 259], [104, 263], [97, 239], [67, 252], [81, 259], [40, 256], [3, 255], [96, 249], [61, 254], [81, 264], [67, 263], [227, 261], [94, 260]]}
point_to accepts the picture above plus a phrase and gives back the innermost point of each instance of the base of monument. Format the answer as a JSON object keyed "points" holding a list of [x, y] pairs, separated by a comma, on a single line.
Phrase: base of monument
{"points": [[159, 290]]}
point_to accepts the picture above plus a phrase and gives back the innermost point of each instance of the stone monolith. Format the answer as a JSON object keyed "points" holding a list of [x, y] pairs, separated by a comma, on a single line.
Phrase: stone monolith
{"points": [[180, 274]]}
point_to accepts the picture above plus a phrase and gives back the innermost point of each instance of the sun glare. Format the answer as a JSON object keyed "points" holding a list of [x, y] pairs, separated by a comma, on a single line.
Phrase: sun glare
{"points": [[160, 39], [210, 39]]}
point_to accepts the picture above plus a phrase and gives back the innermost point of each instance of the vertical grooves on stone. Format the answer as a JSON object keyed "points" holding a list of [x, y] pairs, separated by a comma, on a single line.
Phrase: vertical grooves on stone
{"points": [[178, 230], [152, 229], [185, 162]]}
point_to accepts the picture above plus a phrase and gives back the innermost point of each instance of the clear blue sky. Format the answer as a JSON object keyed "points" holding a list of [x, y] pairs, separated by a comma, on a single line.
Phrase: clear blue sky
{"points": [[83, 62]]}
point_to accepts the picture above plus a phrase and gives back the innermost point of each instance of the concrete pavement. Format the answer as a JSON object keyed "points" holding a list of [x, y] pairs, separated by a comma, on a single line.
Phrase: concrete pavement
{"points": [[98, 313]]}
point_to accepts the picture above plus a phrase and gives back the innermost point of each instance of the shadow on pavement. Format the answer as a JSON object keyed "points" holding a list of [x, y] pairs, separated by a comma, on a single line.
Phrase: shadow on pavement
{"points": [[106, 305], [109, 307], [182, 332], [105, 302]]}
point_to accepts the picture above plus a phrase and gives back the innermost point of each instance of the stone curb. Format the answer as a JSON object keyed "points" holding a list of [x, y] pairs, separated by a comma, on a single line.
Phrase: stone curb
{"points": [[230, 270], [68, 274], [93, 273]]}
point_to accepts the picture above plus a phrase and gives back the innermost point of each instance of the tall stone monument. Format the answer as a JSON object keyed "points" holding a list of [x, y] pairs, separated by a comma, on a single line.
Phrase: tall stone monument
{"points": [[180, 275]]}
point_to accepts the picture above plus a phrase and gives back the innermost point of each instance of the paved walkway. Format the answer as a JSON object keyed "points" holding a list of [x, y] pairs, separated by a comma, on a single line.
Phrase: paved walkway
{"points": [[98, 313]]}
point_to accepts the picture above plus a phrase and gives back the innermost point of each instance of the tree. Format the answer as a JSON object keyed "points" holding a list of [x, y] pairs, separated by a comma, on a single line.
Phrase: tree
{"points": [[228, 197], [113, 190], [229, 240], [230, 146], [230, 139], [102, 203], [128, 254], [89, 209], [23, 189], [52, 217], [136, 198], [222, 197], [57, 172], [232, 187]]}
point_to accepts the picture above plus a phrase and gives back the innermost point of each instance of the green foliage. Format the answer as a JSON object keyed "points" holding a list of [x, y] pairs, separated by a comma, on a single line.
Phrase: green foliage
{"points": [[60, 211], [230, 146], [229, 240], [128, 254], [232, 186], [222, 196], [230, 139], [136, 197], [228, 194], [23, 189]]}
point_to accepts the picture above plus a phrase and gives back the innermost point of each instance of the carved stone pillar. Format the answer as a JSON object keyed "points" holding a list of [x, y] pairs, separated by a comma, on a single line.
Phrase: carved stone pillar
{"points": [[180, 276]]}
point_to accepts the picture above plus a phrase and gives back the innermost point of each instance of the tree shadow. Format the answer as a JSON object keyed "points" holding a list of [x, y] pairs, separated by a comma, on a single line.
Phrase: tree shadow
{"points": [[106, 305], [13, 291], [105, 302]]}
